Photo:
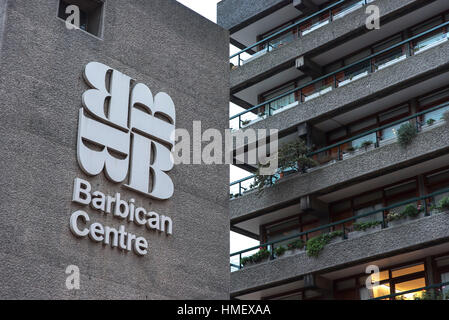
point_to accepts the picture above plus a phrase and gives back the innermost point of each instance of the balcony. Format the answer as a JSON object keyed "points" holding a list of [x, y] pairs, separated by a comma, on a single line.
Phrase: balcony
{"points": [[426, 148], [298, 30], [392, 216], [343, 253], [323, 38], [307, 96], [359, 144]]}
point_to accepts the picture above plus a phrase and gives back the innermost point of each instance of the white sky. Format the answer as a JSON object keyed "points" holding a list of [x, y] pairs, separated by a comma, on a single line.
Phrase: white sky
{"points": [[208, 9]]}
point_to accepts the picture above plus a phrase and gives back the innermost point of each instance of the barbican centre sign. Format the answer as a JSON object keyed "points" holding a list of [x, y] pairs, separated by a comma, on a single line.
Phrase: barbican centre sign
{"points": [[126, 133]]}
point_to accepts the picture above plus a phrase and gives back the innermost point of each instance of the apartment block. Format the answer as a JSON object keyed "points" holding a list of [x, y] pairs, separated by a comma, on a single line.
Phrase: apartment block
{"points": [[371, 107]]}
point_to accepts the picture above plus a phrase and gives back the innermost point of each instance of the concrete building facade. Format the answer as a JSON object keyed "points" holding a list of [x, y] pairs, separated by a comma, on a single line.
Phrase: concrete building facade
{"points": [[159, 44], [372, 107]]}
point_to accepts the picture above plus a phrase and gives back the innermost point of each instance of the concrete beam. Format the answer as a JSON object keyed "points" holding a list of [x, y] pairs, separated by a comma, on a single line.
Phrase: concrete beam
{"points": [[305, 6], [308, 67]]}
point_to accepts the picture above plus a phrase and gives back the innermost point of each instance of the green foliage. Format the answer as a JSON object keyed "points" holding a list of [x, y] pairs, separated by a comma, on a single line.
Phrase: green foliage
{"points": [[363, 226], [261, 180], [433, 207], [262, 254], [297, 244], [291, 155], [366, 144], [430, 122], [279, 251], [444, 203], [316, 244], [406, 134], [410, 211], [245, 122], [431, 294], [393, 216]]}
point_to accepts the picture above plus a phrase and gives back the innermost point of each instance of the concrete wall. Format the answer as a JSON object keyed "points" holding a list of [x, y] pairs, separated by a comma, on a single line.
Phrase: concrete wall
{"points": [[393, 240], [231, 14], [159, 43], [362, 167]]}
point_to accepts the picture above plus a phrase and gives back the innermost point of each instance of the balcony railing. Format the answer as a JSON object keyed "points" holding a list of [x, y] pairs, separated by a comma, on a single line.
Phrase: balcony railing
{"points": [[236, 258], [358, 144], [343, 76], [298, 29], [437, 290]]}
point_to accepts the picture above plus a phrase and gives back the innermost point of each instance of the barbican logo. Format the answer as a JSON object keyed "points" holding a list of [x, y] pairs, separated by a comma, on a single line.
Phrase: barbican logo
{"points": [[126, 132]]}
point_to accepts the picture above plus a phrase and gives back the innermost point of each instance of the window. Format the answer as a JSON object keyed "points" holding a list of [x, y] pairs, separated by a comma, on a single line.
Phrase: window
{"points": [[91, 14], [392, 280], [281, 102]]}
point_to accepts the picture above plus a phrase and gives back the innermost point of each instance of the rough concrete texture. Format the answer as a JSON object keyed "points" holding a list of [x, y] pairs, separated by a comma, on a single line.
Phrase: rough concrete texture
{"points": [[161, 44], [232, 13], [325, 37], [359, 168], [390, 241], [379, 84]]}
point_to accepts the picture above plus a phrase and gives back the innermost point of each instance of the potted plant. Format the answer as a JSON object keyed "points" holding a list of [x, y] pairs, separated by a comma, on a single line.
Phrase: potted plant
{"points": [[366, 144], [316, 244], [406, 134], [245, 122], [349, 152], [361, 228], [430, 122], [261, 114], [295, 247], [263, 255], [292, 155], [444, 204], [279, 251], [410, 212], [434, 209]]}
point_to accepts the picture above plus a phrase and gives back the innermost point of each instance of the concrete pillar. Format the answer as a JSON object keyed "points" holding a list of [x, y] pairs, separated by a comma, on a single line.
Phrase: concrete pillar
{"points": [[430, 274], [303, 131], [318, 283]]}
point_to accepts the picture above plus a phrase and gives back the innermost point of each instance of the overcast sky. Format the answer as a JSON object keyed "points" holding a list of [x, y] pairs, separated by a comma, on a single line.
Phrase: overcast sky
{"points": [[208, 9]]}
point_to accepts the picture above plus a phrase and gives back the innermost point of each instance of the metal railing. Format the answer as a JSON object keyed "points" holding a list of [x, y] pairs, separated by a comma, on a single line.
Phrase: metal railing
{"points": [[429, 287], [243, 185], [270, 246], [370, 68], [265, 43]]}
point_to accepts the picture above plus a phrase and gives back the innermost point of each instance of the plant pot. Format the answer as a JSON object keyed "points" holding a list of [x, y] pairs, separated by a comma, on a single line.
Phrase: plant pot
{"points": [[289, 253], [435, 211], [405, 220], [336, 240], [348, 155], [357, 234], [436, 124], [255, 263]]}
